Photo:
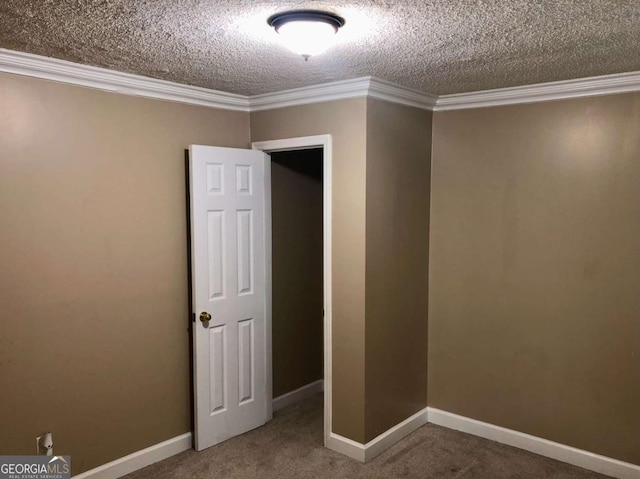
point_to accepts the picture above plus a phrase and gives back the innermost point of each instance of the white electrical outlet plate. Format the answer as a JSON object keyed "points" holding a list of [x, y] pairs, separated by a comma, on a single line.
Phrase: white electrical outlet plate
{"points": [[41, 449]]}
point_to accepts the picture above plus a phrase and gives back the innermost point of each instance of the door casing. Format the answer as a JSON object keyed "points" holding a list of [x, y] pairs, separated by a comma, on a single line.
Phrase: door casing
{"points": [[301, 143]]}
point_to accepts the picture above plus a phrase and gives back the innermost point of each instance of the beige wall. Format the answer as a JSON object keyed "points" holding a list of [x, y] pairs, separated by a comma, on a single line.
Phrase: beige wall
{"points": [[535, 270], [94, 339], [296, 212], [345, 120], [397, 263]]}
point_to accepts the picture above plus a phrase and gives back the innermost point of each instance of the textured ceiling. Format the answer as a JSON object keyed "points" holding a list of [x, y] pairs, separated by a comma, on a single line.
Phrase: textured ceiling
{"points": [[437, 46]]}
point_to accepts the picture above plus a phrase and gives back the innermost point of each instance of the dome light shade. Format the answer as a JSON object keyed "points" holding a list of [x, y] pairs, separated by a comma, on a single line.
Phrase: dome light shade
{"points": [[306, 32]]}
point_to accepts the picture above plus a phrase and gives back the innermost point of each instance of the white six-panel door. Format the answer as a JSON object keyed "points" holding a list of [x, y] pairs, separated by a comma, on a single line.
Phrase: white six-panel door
{"points": [[228, 258]]}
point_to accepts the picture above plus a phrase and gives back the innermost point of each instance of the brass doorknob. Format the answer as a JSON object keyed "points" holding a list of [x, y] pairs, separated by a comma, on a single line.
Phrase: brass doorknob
{"points": [[205, 317]]}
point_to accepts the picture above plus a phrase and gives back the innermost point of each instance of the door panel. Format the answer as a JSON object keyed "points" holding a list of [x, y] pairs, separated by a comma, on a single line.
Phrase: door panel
{"points": [[228, 261]]}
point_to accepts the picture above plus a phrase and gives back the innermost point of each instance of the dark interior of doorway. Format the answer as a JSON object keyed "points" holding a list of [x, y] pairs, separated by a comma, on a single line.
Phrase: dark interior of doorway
{"points": [[297, 259]]}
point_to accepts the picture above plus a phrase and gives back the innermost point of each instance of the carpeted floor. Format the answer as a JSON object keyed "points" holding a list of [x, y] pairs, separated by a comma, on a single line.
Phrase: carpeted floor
{"points": [[290, 447]]}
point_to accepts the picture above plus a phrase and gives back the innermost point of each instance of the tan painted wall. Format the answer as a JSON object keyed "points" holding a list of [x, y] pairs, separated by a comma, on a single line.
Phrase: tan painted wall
{"points": [[93, 292], [535, 270], [397, 263], [296, 212], [345, 120]]}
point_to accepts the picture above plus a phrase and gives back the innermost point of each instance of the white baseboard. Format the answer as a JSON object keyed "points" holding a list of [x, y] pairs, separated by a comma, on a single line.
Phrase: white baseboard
{"points": [[388, 438], [138, 460], [577, 457], [346, 446], [298, 395], [366, 452]]}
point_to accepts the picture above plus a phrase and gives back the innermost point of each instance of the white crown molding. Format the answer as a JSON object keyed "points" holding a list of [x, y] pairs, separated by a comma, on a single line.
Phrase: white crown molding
{"points": [[571, 455], [394, 93], [108, 80], [125, 83], [46, 68], [559, 90], [340, 90]]}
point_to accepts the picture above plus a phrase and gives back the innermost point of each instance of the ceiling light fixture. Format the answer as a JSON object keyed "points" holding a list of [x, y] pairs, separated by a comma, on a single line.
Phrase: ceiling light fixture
{"points": [[306, 32]]}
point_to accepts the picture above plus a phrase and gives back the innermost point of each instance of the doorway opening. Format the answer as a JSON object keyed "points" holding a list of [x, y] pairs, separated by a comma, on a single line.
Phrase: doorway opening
{"points": [[298, 199], [297, 278]]}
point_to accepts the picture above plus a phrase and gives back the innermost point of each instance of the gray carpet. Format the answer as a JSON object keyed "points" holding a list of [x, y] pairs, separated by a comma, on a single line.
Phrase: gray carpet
{"points": [[290, 446]]}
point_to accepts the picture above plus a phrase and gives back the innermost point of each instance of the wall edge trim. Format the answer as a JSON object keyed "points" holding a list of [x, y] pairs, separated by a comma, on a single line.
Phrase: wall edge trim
{"points": [[398, 432], [346, 446], [375, 447], [394, 93], [539, 92], [46, 68], [570, 455], [140, 459], [299, 394], [63, 71], [370, 87], [339, 90]]}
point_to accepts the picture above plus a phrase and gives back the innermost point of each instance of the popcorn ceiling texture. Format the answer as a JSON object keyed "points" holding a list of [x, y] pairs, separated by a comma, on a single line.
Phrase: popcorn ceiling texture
{"points": [[436, 46]]}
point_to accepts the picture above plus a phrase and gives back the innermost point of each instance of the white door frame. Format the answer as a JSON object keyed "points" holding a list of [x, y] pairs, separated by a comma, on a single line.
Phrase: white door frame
{"points": [[301, 143]]}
